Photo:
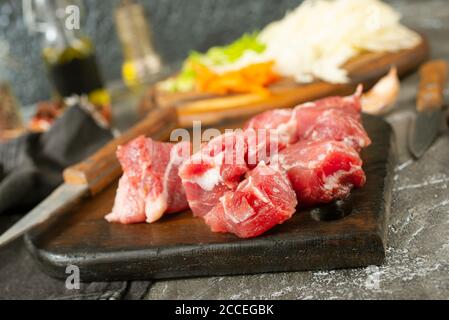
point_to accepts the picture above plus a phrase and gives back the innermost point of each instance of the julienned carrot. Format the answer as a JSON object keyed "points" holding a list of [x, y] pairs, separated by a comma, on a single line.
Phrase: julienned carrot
{"points": [[251, 79]]}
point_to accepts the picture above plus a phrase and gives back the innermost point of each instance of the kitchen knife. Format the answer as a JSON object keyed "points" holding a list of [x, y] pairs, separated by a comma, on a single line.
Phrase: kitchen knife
{"points": [[430, 101], [93, 175]]}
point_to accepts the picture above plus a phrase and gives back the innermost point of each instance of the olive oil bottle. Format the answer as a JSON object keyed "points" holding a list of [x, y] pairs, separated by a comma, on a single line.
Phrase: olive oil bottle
{"points": [[68, 53]]}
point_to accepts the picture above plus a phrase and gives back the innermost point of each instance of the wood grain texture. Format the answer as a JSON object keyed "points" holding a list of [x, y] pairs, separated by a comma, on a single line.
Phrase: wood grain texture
{"points": [[351, 234], [365, 69], [432, 84]]}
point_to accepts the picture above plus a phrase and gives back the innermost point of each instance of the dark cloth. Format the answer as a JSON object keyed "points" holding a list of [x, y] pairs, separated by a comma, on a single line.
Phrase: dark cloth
{"points": [[31, 166]]}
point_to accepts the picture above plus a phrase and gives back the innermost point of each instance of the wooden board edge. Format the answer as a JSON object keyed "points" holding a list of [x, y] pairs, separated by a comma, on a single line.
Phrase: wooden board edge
{"points": [[389, 182], [370, 251]]}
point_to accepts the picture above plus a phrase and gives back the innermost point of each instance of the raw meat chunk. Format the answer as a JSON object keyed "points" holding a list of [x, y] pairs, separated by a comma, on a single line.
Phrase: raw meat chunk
{"points": [[336, 118], [260, 202], [350, 104], [331, 124], [215, 169], [129, 204], [150, 185], [321, 171], [284, 121], [221, 165], [262, 144]]}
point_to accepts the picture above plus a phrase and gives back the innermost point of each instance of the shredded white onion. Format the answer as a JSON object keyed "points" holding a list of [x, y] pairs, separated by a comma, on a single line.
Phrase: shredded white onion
{"points": [[316, 39]]}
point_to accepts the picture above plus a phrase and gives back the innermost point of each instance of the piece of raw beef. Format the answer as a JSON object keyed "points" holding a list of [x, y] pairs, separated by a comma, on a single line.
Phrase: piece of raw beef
{"points": [[336, 118], [350, 104], [262, 144], [221, 165], [321, 171], [215, 169], [129, 203], [284, 121], [260, 202], [333, 118], [331, 124], [150, 185]]}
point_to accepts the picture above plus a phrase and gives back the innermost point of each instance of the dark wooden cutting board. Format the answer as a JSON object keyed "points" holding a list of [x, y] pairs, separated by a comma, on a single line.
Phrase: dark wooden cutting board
{"points": [[344, 235]]}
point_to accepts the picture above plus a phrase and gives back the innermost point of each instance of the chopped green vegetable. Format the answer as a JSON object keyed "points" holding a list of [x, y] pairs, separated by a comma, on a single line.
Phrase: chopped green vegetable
{"points": [[183, 82], [215, 56]]}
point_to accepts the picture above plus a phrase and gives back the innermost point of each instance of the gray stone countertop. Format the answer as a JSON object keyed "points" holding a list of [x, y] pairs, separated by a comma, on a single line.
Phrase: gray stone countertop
{"points": [[417, 262]]}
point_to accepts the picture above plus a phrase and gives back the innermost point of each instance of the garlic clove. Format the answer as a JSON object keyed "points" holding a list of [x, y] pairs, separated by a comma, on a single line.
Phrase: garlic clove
{"points": [[383, 96]]}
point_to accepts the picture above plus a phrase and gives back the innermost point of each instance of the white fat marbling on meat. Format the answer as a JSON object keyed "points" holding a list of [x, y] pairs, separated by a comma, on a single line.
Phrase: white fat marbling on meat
{"points": [[289, 128], [311, 164], [257, 192], [212, 177], [232, 216], [306, 105], [358, 141], [208, 180], [277, 162], [155, 208], [332, 182]]}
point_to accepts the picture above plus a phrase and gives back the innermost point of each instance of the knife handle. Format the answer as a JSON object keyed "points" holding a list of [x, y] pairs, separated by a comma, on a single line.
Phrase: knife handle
{"points": [[433, 76], [98, 171]]}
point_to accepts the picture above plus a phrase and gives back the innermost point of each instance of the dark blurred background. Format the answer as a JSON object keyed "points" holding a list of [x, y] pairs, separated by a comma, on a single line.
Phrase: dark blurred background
{"points": [[178, 26]]}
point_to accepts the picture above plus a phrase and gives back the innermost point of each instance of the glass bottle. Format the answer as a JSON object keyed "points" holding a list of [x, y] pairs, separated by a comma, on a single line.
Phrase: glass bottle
{"points": [[68, 53], [11, 124], [141, 61]]}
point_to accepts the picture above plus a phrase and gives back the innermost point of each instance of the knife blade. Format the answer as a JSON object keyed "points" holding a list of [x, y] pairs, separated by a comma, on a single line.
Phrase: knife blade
{"points": [[65, 195], [429, 104], [93, 175]]}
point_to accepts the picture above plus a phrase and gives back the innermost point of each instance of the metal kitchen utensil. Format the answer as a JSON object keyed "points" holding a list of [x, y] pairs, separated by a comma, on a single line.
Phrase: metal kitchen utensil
{"points": [[92, 175], [430, 102]]}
